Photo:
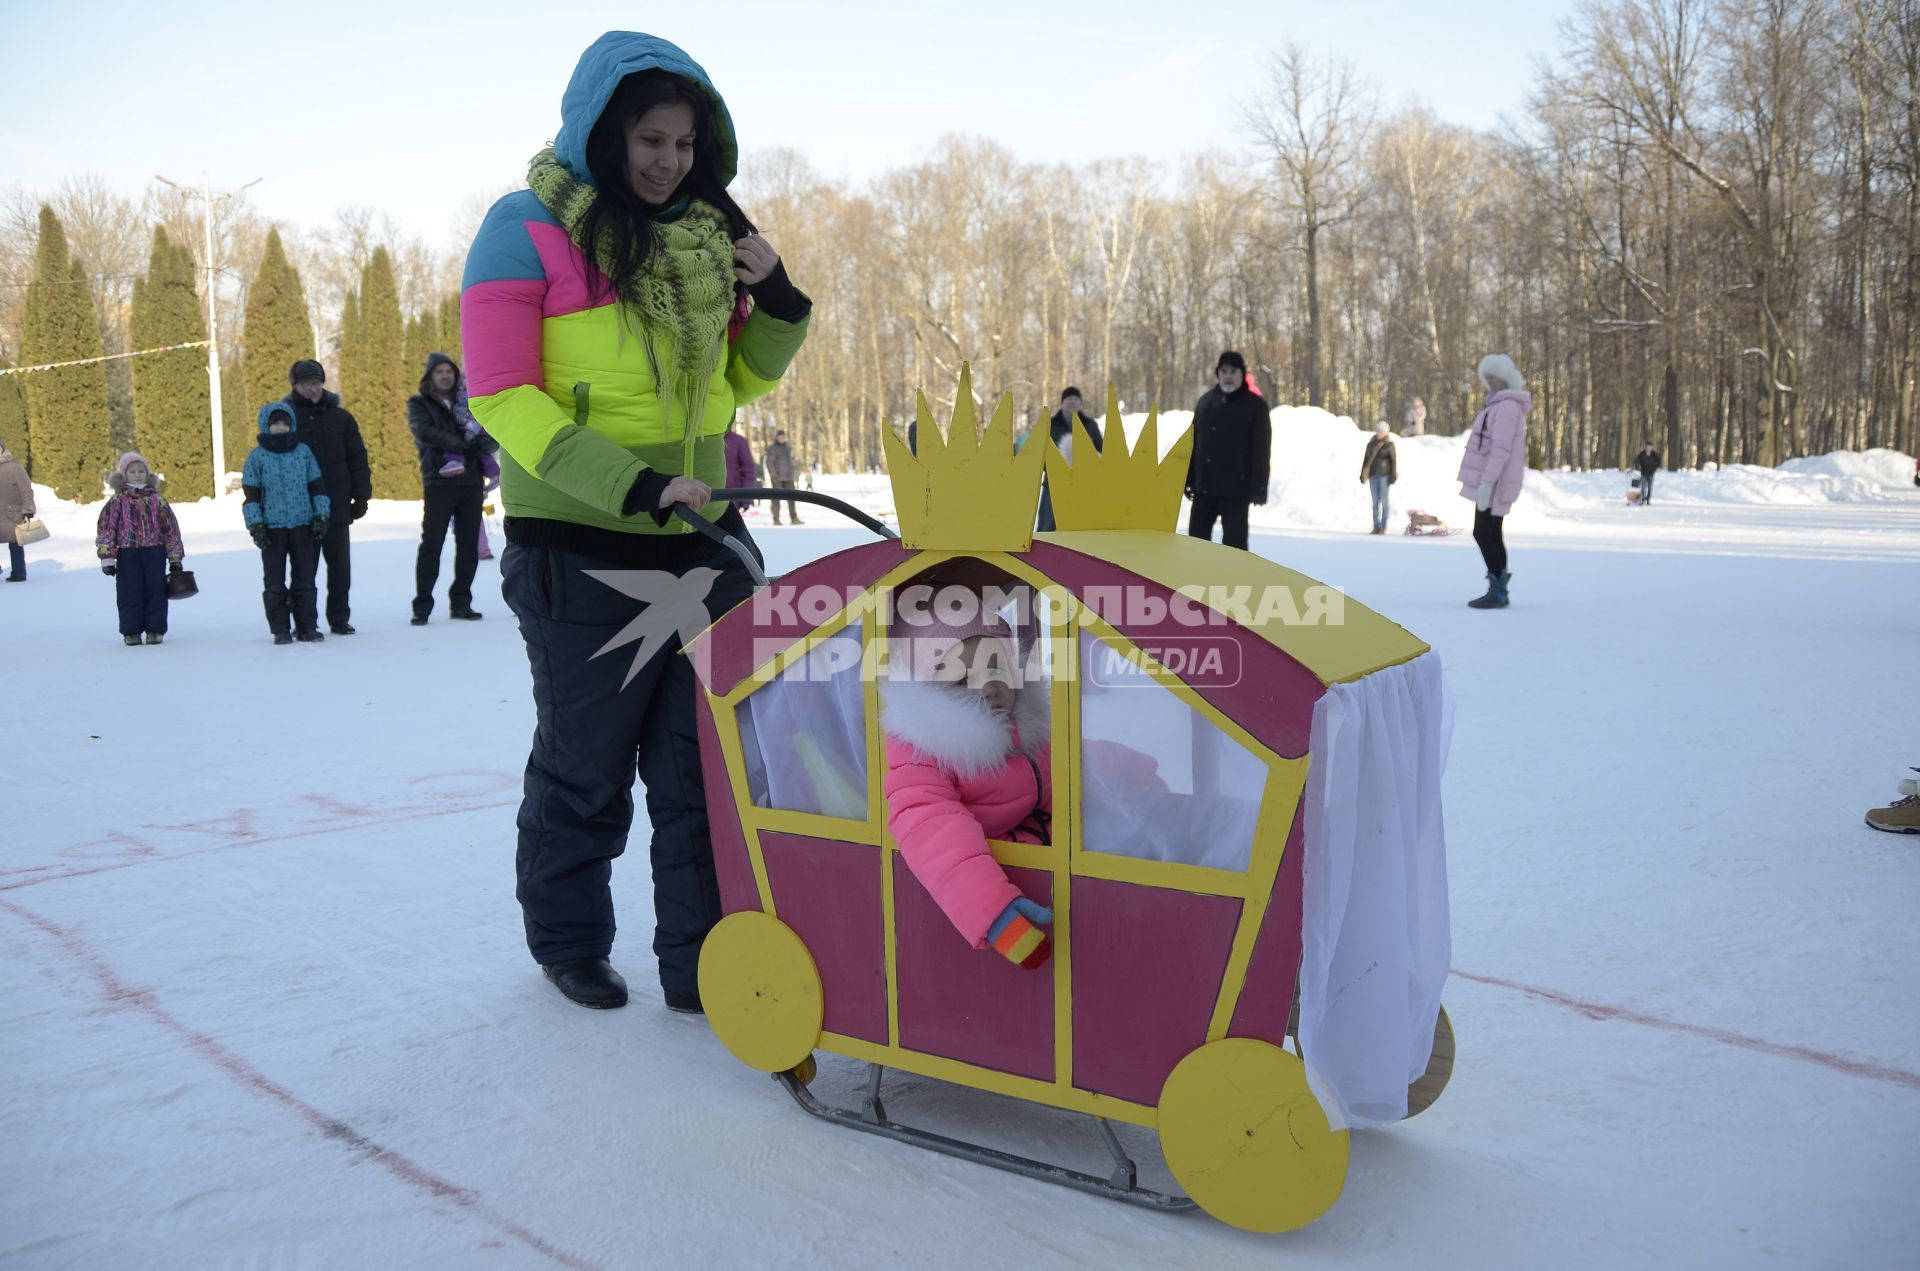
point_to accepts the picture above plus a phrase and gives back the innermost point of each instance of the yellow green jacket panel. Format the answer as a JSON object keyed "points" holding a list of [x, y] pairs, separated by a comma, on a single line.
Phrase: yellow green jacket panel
{"points": [[558, 374]]}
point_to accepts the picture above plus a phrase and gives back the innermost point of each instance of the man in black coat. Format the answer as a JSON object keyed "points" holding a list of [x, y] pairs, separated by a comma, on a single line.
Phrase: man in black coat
{"points": [[1232, 453], [333, 435], [1060, 431], [450, 475], [1648, 462]]}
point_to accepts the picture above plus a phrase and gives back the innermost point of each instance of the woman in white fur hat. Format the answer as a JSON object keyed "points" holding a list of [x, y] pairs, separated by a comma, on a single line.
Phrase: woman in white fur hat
{"points": [[1493, 467]]}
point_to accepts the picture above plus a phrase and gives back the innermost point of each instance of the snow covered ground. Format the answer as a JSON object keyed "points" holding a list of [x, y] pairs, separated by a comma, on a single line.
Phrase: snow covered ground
{"points": [[264, 1001]]}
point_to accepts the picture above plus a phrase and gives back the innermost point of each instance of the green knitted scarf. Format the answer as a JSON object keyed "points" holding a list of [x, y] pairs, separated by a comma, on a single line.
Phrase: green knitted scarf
{"points": [[683, 294]]}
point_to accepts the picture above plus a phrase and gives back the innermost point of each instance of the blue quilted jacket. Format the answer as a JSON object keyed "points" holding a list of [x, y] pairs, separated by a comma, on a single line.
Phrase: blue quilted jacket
{"points": [[282, 481]]}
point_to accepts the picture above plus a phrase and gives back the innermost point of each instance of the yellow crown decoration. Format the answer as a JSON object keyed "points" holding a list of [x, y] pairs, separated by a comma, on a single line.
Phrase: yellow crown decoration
{"points": [[1115, 488], [969, 491]]}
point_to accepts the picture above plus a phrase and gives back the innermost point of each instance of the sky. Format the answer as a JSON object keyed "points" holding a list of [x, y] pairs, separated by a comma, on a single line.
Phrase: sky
{"points": [[416, 109]]}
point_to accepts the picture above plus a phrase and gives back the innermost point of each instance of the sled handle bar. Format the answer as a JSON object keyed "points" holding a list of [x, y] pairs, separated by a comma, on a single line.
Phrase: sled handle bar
{"points": [[734, 545], [827, 501]]}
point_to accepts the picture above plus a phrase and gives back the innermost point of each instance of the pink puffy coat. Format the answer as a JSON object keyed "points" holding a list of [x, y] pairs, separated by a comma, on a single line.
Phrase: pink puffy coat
{"points": [[959, 773], [1497, 449]]}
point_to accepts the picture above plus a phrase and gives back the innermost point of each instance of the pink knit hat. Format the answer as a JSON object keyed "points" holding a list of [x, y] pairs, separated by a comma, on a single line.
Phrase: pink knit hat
{"points": [[920, 646], [128, 460]]}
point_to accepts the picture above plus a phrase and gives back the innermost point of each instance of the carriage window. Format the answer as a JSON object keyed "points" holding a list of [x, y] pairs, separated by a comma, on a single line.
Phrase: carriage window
{"points": [[804, 734], [1159, 780]]}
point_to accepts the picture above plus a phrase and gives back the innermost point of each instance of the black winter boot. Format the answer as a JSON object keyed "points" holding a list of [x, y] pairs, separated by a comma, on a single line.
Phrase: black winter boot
{"points": [[686, 1003], [589, 981], [1496, 597]]}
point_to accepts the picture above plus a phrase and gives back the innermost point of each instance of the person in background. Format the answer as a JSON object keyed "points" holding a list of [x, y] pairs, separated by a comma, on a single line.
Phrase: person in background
{"points": [[452, 492], [1232, 454], [741, 469], [1493, 468], [780, 468], [138, 538], [288, 512], [1416, 418], [1647, 462], [1061, 430], [324, 427], [1380, 468], [16, 505]]}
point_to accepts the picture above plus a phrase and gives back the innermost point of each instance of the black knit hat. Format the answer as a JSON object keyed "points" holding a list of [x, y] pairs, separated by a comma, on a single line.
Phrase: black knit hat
{"points": [[1065, 393], [306, 369], [1230, 358]]}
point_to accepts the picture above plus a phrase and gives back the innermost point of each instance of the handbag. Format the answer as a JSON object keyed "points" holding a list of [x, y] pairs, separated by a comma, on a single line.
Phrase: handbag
{"points": [[30, 530], [180, 584]]}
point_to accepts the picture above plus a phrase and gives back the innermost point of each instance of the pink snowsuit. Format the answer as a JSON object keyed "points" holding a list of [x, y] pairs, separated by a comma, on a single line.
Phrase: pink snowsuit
{"points": [[959, 773], [1497, 449]]}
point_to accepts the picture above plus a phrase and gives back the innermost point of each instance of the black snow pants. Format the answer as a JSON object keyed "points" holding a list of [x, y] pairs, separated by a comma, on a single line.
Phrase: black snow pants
{"points": [[601, 719]]}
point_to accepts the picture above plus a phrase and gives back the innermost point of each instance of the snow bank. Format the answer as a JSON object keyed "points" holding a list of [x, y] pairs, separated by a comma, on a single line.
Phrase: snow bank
{"points": [[1316, 477]]}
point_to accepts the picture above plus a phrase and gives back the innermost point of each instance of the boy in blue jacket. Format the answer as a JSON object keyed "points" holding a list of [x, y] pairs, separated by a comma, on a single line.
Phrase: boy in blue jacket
{"points": [[287, 512]]}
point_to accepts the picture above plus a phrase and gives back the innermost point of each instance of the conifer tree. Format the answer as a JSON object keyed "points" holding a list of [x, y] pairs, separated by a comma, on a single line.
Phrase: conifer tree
{"points": [[450, 328], [423, 337], [278, 331], [172, 418], [347, 374], [72, 432], [239, 422], [13, 417], [383, 384]]}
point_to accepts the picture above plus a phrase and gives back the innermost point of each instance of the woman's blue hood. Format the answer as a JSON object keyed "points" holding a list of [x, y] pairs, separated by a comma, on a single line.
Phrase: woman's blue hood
{"points": [[607, 61]]}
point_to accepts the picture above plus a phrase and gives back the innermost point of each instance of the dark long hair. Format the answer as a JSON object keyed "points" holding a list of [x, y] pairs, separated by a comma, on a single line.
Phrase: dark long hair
{"points": [[626, 218]]}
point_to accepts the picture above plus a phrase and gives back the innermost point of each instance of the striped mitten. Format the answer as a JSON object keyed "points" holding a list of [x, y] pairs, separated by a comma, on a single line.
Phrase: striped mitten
{"points": [[1019, 933]]}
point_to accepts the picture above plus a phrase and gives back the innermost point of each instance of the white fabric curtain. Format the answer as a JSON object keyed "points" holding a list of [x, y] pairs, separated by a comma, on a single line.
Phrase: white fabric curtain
{"points": [[1375, 939]]}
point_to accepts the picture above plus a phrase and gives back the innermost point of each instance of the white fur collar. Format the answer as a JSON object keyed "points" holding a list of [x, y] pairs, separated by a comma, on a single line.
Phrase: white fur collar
{"points": [[958, 730]]}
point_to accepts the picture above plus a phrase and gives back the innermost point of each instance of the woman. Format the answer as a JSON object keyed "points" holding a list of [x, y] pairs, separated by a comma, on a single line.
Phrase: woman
{"points": [[1494, 466], [1380, 468], [614, 315], [453, 462], [16, 505]]}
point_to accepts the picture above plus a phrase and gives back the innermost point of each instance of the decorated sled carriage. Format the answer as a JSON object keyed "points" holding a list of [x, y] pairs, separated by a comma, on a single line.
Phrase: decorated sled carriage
{"points": [[1246, 863]]}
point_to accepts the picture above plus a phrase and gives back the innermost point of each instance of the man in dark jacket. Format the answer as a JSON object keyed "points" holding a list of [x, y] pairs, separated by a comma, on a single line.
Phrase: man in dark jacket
{"points": [[777, 459], [1232, 452], [333, 435], [1648, 462], [451, 476], [1060, 431]]}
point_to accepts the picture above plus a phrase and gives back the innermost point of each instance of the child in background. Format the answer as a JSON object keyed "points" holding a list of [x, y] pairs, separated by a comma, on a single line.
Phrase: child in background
{"points": [[287, 512], [137, 538], [968, 759]]}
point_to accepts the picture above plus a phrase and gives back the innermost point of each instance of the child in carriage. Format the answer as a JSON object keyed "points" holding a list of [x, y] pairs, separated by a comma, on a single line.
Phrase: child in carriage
{"points": [[968, 758]]}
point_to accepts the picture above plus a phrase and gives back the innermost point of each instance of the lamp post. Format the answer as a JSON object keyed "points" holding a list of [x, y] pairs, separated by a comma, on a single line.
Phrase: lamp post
{"points": [[206, 196]]}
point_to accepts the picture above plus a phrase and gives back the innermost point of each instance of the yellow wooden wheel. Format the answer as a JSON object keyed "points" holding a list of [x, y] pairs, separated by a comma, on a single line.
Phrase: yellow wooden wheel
{"points": [[1246, 1138], [1422, 1093], [761, 991]]}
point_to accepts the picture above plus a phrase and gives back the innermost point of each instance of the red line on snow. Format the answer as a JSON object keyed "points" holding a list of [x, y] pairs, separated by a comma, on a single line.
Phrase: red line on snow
{"points": [[1600, 1010], [151, 855], [118, 992]]}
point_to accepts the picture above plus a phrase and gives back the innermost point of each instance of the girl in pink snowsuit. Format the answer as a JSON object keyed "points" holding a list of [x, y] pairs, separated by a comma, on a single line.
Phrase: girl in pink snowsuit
{"points": [[969, 759]]}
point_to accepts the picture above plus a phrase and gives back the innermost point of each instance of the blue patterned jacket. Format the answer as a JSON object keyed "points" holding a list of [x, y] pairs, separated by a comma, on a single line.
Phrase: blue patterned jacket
{"points": [[282, 481]]}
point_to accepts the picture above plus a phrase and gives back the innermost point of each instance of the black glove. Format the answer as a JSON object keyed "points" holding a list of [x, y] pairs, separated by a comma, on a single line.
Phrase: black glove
{"points": [[358, 507], [319, 527], [259, 533], [107, 567]]}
